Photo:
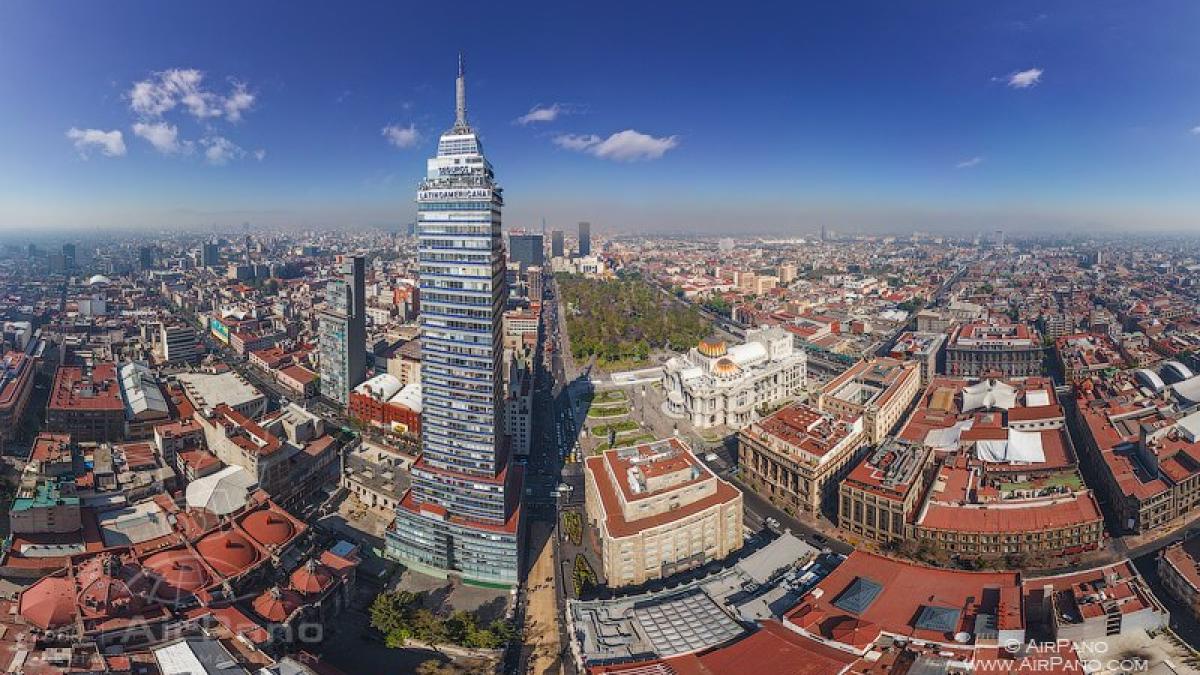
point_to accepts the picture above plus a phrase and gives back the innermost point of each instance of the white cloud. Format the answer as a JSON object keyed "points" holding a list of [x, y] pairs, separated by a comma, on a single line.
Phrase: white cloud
{"points": [[402, 137], [168, 89], [576, 142], [1196, 130], [1025, 79], [623, 146], [219, 150], [238, 101], [969, 163], [164, 137], [109, 143], [541, 113], [260, 154]]}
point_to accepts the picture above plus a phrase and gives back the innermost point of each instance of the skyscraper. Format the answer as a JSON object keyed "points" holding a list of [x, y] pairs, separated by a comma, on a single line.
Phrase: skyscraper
{"points": [[556, 244], [462, 514], [585, 238], [526, 249], [210, 254], [343, 332], [68, 252]]}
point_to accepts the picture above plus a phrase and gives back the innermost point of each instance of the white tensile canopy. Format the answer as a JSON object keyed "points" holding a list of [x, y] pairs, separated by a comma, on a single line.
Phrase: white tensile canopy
{"points": [[223, 492], [989, 394], [947, 438], [1021, 447]]}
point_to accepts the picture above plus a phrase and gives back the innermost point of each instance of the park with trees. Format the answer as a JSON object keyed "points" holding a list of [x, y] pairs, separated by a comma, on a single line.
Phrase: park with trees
{"points": [[621, 321]]}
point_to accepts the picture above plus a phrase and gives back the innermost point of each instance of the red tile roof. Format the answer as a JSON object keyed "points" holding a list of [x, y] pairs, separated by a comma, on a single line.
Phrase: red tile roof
{"points": [[74, 391]]}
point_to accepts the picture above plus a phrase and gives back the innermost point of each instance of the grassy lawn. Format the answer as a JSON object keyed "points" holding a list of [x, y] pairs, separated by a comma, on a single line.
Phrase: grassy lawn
{"points": [[620, 427], [608, 411], [610, 396], [623, 442]]}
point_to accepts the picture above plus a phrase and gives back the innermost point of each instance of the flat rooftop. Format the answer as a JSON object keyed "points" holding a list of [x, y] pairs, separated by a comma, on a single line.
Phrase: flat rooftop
{"points": [[208, 390]]}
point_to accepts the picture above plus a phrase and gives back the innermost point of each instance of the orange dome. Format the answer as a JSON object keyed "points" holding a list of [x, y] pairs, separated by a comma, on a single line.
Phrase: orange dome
{"points": [[313, 578], [228, 552], [712, 347], [108, 586], [725, 366], [269, 528], [49, 603], [107, 596], [276, 604], [175, 574]]}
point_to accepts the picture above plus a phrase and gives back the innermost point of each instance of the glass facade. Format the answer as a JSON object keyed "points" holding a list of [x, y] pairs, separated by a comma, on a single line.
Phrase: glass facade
{"points": [[342, 332], [457, 517]]}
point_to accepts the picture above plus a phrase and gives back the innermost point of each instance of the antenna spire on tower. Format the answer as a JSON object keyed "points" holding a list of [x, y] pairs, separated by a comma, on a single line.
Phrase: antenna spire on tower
{"points": [[460, 108]]}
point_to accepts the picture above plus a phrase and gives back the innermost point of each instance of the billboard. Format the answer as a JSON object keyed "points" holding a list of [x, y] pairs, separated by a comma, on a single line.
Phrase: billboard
{"points": [[219, 330]]}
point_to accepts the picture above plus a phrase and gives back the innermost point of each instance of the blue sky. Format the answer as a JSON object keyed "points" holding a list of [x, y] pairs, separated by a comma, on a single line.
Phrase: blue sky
{"points": [[754, 117]]}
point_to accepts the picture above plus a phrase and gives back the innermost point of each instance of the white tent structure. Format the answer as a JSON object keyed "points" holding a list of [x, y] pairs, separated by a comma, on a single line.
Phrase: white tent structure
{"points": [[947, 438], [1021, 447], [989, 394], [223, 492]]}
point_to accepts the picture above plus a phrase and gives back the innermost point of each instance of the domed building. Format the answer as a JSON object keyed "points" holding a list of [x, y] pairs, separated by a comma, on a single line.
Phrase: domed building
{"points": [[228, 553], [49, 603], [313, 579], [718, 385], [277, 604], [174, 575], [269, 527], [108, 587]]}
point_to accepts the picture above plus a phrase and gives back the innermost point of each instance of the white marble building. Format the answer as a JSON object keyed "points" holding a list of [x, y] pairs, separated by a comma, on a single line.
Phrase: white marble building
{"points": [[714, 384]]}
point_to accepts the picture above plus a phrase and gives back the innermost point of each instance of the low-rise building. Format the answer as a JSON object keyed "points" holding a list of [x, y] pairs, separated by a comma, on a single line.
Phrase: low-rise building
{"points": [[658, 510], [878, 390], [1084, 354], [796, 456], [1179, 570], [16, 386], [927, 349], [145, 404], [384, 402], [179, 344], [996, 349], [298, 380], [1095, 604], [377, 475], [86, 403], [1145, 460], [239, 441], [207, 390], [881, 494]]}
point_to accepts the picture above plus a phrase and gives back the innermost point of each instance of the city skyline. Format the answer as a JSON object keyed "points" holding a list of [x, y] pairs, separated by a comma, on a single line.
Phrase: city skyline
{"points": [[943, 118]]}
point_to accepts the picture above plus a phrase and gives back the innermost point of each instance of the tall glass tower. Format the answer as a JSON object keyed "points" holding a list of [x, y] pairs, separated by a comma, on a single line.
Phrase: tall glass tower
{"points": [[462, 513], [342, 332]]}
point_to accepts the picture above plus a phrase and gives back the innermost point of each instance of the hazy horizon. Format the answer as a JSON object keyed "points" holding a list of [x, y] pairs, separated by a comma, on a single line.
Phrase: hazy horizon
{"points": [[944, 117]]}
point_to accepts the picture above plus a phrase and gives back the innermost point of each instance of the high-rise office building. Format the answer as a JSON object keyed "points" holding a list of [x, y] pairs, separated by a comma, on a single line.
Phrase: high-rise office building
{"points": [[462, 514], [585, 238], [343, 332], [527, 250], [68, 252], [147, 256], [557, 250], [210, 254]]}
